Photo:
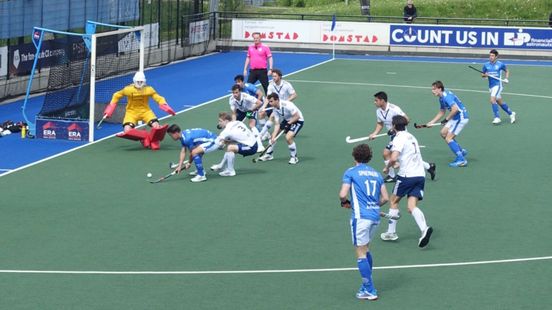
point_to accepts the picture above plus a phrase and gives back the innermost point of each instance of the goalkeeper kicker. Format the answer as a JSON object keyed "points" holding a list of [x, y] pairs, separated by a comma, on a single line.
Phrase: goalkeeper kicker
{"points": [[137, 109]]}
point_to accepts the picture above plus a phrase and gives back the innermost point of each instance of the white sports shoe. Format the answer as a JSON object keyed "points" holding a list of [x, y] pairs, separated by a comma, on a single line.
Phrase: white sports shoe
{"points": [[389, 236], [266, 157], [260, 148], [216, 167], [192, 173], [496, 121], [198, 178], [513, 117], [227, 173], [293, 160]]}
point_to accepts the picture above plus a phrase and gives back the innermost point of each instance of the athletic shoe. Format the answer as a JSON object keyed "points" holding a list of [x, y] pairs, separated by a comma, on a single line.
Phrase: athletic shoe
{"points": [[513, 117], [227, 173], [198, 178], [266, 157], [431, 170], [216, 167], [260, 148], [496, 121], [387, 236], [364, 293], [390, 179], [293, 160], [464, 152], [424, 239], [458, 162], [193, 173]]}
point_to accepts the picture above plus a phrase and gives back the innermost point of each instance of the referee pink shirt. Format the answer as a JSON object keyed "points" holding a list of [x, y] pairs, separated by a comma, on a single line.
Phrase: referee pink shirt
{"points": [[258, 55]]}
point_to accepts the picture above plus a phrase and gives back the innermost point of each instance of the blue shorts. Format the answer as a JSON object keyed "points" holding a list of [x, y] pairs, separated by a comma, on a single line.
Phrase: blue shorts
{"points": [[413, 186], [246, 150], [295, 127]]}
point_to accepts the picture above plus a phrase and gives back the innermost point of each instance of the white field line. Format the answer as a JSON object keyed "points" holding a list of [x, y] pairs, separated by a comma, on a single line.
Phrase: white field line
{"points": [[411, 86], [201, 272]]}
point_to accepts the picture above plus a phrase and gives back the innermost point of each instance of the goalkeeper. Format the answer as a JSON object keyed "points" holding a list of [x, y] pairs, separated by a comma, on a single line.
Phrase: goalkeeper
{"points": [[137, 109]]}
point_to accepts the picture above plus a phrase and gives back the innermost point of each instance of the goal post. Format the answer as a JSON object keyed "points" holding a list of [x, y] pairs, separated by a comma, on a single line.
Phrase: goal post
{"points": [[84, 73]]}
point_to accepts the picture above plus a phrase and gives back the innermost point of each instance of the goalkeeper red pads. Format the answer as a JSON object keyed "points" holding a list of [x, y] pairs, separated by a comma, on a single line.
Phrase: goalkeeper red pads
{"points": [[156, 135], [165, 107], [109, 109]]}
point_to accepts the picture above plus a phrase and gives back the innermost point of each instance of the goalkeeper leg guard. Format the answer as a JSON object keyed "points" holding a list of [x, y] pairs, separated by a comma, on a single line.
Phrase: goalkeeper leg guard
{"points": [[136, 135]]}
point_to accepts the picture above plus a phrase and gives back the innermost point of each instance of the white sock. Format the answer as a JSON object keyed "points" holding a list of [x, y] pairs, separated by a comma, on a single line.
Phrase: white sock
{"points": [[266, 127], [271, 149], [391, 170], [257, 135], [426, 165], [230, 157], [392, 228], [419, 218], [292, 150], [224, 159]]}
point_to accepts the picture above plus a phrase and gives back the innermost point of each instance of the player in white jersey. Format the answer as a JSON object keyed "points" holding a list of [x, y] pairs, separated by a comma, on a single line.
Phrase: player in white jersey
{"points": [[492, 70], [287, 117], [244, 105], [367, 191], [410, 181], [384, 116], [237, 138], [284, 90]]}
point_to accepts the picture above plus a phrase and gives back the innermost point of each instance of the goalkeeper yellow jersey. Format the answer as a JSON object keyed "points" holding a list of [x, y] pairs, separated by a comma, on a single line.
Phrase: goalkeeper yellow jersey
{"points": [[138, 99]]}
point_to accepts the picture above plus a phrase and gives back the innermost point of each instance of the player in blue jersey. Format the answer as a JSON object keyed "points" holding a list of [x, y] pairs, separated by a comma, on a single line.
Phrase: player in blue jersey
{"points": [[492, 70], [367, 192], [454, 122], [248, 88], [197, 141], [405, 153]]}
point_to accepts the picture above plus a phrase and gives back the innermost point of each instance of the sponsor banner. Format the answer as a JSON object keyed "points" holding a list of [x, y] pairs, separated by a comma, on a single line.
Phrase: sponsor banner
{"points": [[62, 129], [199, 31], [3, 61], [460, 36], [131, 42], [305, 31]]}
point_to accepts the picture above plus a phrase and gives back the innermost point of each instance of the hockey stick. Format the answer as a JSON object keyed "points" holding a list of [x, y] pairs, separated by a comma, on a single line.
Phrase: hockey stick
{"points": [[163, 177], [418, 126], [349, 140], [490, 76], [268, 147], [100, 122]]}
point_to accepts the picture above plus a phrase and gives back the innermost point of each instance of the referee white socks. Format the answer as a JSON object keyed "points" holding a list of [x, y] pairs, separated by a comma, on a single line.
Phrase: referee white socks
{"points": [[419, 218]]}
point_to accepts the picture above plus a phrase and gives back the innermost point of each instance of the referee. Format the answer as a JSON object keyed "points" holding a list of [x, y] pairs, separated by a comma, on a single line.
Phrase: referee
{"points": [[258, 55]]}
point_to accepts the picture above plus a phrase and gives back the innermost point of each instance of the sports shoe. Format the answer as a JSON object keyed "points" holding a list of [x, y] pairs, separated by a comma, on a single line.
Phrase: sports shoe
{"points": [[216, 167], [364, 293], [431, 170], [192, 173], [266, 157], [260, 148], [198, 178], [513, 117], [496, 121], [458, 162], [227, 173], [293, 160], [387, 236], [464, 152], [390, 179], [424, 239]]}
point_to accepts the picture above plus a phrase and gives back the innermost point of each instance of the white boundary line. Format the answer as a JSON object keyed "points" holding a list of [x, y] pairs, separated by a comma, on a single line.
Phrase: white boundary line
{"points": [[409, 86], [187, 108], [501, 261]]}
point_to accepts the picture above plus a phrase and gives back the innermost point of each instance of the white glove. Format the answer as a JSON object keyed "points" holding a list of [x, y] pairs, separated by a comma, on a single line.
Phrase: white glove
{"points": [[505, 81]]}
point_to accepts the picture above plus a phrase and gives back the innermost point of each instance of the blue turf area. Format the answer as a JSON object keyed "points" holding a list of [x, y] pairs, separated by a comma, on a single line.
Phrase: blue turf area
{"points": [[184, 84]]}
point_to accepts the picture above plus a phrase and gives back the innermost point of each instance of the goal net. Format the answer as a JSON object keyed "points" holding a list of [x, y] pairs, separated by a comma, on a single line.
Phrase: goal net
{"points": [[85, 72]]}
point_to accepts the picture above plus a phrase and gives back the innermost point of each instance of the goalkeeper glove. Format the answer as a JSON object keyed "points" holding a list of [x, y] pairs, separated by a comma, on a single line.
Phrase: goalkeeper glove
{"points": [[346, 204], [165, 107], [109, 109]]}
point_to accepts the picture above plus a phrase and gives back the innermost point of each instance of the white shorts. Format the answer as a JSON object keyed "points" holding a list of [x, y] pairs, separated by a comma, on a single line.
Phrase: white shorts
{"points": [[363, 231], [496, 91], [456, 126]]}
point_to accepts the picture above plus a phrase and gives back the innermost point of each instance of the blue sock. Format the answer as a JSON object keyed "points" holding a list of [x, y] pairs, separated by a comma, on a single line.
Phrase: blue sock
{"points": [[495, 109], [369, 258], [199, 165], [456, 149], [506, 108], [365, 273]]}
